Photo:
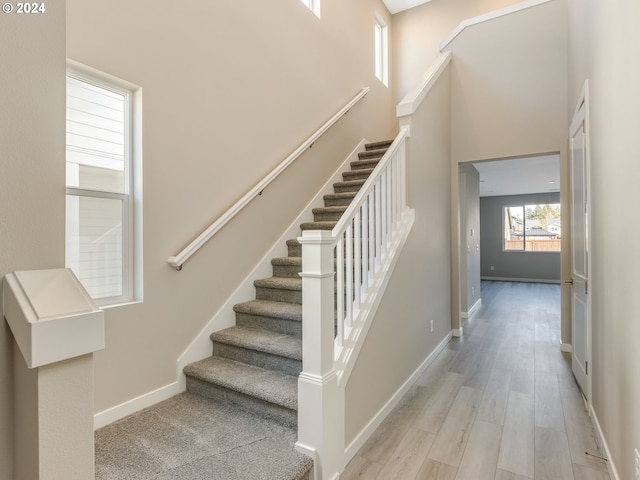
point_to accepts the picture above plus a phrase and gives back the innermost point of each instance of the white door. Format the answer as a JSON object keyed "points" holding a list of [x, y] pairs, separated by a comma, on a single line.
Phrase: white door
{"points": [[580, 306]]}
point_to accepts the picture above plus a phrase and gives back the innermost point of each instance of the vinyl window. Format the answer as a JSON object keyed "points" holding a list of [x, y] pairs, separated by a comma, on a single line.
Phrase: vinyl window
{"points": [[101, 164]]}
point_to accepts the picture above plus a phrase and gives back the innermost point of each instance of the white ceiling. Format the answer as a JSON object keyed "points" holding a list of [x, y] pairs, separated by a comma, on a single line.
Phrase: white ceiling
{"points": [[396, 6], [519, 176]]}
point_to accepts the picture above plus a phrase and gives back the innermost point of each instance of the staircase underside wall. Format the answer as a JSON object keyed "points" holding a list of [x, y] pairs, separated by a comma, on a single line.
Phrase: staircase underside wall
{"points": [[400, 340]]}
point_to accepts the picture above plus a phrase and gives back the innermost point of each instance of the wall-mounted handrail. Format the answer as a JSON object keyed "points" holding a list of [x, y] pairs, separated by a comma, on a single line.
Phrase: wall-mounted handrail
{"points": [[178, 260]]}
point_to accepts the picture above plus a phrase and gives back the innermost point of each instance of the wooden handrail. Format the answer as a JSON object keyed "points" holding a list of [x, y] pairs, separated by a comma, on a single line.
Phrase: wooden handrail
{"points": [[178, 260]]}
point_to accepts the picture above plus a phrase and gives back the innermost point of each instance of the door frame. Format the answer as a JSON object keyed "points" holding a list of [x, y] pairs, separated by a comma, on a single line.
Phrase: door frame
{"points": [[581, 114]]}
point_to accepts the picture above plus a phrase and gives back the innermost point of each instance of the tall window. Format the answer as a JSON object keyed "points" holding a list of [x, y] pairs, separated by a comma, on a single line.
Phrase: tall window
{"points": [[100, 185], [532, 228], [381, 51], [313, 5]]}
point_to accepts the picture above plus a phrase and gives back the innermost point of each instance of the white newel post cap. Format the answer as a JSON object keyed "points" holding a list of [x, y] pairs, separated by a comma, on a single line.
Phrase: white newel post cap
{"points": [[51, 316]]}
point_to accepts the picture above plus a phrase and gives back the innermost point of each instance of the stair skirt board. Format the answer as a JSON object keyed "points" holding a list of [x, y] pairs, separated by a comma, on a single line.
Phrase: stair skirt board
{"points": [[364, 435], [225, 317]]}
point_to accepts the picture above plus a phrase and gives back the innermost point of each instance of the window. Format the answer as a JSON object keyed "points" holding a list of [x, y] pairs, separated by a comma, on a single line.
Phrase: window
{"points": [[313, 5], [102, 177], [381, 51], [532, 228]]}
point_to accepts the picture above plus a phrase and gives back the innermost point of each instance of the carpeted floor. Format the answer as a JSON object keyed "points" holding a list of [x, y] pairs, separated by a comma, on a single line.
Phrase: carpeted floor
{"points": [[191, 437]]}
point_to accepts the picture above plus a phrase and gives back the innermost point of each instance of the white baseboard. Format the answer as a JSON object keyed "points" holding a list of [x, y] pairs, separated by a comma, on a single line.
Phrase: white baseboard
{"points": [[524, 280], [457, 332], [201, 347], [112, 414], [613, 473], [472, 310], [566, 347], [375, 422]]}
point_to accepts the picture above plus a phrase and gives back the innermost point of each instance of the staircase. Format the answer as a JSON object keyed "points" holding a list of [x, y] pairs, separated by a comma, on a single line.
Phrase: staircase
{"points": [[255, 364]]}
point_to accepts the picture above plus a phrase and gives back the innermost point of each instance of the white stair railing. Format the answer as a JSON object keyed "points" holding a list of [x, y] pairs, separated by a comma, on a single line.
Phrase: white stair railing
{"points": [[344, 273]]}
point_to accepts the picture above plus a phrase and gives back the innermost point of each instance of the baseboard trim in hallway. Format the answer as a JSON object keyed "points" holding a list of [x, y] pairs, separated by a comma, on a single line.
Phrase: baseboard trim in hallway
{"points": [[566, 347], [603, 442], [353, 448], [474, 308]]}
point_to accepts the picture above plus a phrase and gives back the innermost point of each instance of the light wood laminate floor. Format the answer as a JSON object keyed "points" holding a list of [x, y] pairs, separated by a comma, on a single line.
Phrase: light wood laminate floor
{"points": [[500, 403]]}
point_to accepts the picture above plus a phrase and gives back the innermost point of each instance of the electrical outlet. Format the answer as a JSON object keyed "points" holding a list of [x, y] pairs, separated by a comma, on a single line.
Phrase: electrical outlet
{"points": [[473, 292], [637, 464], [492, 268], [432, 330]]}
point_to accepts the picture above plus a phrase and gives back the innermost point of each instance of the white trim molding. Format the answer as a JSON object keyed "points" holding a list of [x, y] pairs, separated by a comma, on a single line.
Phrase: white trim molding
{"points": [[474, 308], [414, 98], [112, 414], [525, 280], [457, 332], [364, 435], [566, 347], [613, 472], [518, 7]]}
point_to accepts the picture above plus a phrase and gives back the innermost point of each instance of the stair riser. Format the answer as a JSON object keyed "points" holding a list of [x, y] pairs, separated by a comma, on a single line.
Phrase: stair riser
{"points": [[355, 175], [294, 250], [337, 202], [257, 406], [306, 226], [278, 325], [346, 188], [362, 164], [279, 295], [264, 360], [327, 216], [287, 271], [371, 154], [378, 145]]}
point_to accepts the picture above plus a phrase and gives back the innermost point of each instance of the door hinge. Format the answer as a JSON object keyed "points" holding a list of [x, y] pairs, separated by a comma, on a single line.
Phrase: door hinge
{"points": [[586, 368], [586, 287]]}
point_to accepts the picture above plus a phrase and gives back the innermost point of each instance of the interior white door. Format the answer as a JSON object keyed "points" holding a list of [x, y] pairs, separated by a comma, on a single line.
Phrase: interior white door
{"points": [[580, 305]]}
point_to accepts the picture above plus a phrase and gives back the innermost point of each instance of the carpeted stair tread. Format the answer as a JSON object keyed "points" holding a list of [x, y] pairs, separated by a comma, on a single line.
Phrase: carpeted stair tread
{"points": [[379, 153], [384, 144], [267, 308], [273, 387], [280, 283], [364, 164], [287, 261], [361, 173], [338, 209], [189, 436], [261, 341], [339, 199], [348, 186], [318, 225]]}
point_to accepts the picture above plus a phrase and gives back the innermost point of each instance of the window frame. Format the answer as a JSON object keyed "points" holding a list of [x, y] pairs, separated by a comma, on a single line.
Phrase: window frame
{"points": [[381, 50], [131, 196], [523, 206], [313, 5]]}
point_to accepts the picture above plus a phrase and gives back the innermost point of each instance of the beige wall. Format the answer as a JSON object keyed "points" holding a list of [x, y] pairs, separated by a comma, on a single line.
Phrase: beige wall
{"points": [[469, 244], [229, 90], [603, 48], [399, 339], [417, 34], [508, 95], [32, 49]]}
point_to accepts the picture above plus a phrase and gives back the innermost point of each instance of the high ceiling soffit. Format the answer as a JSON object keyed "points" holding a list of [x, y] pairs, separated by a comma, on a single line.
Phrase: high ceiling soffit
{"points": [[396, 6]]}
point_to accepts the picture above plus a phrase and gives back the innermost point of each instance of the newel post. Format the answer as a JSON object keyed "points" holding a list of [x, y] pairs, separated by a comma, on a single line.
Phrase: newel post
{"points": [[320, 401]]}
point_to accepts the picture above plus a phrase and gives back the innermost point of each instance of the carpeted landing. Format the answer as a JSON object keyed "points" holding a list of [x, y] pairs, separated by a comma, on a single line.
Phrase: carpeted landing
{"points": [[190, 437]]}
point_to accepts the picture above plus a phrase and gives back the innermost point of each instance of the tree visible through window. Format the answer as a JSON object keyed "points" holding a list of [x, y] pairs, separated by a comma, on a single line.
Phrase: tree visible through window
{"points": [[532, 228]]}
